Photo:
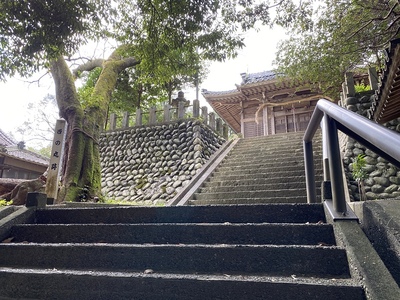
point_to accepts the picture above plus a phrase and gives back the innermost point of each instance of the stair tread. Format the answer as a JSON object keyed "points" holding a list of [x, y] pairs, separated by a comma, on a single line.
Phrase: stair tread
{"points": [[308, 260], [186, 233], [77, 284], [128, 274]]}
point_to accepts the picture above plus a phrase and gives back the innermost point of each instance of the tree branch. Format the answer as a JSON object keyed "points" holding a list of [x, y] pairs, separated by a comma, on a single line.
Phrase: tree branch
{"points": [[88, 66]]}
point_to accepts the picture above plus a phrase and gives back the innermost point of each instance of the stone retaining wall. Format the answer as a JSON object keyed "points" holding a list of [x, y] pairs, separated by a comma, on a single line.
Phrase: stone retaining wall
{"points": [[148, 165], [383, 178]]}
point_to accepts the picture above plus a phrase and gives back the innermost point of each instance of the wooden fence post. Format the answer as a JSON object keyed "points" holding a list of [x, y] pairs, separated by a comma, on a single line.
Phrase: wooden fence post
{"points": [[139, 118], [218, 126], [167, 113], [125, 120], [351, 90], [212, 120], [181, 110], [373, 79], [196, 108], [225, 130], [152, 115], [204, 114], [113, 121]]}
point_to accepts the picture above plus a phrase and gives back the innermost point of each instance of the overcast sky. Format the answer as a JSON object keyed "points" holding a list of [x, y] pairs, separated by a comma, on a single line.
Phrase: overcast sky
{"points": [[257, 56]]}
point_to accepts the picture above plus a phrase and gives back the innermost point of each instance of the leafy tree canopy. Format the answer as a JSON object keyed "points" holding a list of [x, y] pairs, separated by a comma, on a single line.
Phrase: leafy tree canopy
{"points": [[335, 37], [32, 32]]}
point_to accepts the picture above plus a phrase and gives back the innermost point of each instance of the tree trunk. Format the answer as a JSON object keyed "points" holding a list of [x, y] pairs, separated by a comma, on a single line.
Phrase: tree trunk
{"points": [[81, 178]]}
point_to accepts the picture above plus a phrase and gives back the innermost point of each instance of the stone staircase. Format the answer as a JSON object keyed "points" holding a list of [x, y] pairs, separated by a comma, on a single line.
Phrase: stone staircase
{"points": [[261, 170], [269, 249], [264, 251]]}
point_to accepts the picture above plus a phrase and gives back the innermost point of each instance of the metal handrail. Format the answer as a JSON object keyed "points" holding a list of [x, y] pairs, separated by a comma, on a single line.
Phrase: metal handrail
{"points": [[381, 140]]}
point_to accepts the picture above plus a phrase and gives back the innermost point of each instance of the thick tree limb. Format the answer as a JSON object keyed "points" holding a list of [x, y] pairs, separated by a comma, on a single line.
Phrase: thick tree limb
{"points": [[66, 95], [88, 66]]}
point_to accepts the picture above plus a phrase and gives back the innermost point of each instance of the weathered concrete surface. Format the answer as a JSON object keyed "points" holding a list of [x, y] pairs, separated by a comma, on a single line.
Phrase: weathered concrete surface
{"points": [[266, 169], [19, 216], [249, 234], [365, 262], [272, 213], [61, 284], [381, 223]]}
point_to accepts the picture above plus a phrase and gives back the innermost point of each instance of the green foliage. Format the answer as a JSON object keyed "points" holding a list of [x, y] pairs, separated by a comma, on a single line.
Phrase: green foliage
{"points": [[5, 202], [359, 173], [362, 88], [330, 38], [32, 31], [44, 151]]}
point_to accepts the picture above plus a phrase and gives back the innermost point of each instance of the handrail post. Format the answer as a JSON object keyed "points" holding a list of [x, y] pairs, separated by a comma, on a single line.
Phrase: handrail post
{"points": [[325, 159], [335, 166], [310, 173]]}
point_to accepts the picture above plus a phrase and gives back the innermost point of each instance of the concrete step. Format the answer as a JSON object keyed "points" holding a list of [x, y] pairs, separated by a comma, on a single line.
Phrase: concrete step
{"points": [[259, 181], [278, 152], [272, 260], [288, 193], [266, 174], [274, 213], [259, 187], [261, 167], [250, 201], [186, 233], [88, 285], [187, 252], [253, 160]]}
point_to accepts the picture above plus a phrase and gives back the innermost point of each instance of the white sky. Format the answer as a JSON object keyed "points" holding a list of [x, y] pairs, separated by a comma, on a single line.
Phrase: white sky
{"points": [[257, 56]]}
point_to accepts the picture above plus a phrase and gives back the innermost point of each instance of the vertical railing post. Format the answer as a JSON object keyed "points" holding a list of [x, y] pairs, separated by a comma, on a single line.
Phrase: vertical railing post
{"points": [[351, 90], [218, 126], [335, 166], [196, 109], [204, 114], [181, 110], [325, 156], [225, 130], [113, 121], [212, 120], [152, 115], [310, 173], [139, 118], [167, 113], [373, 78], [125, 120]]}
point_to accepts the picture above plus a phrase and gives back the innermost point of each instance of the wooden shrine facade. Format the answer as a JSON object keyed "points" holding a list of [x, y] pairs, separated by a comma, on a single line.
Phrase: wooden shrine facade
{"points": [[264, 104]]}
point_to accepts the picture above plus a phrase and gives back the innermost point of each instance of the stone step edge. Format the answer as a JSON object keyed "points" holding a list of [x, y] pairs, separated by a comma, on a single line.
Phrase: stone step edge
{"points": [[149, 274]]}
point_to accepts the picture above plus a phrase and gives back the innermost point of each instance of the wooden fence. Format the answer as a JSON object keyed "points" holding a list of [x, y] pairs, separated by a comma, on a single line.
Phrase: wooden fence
{"points": [[171, 113], [348, 86]]}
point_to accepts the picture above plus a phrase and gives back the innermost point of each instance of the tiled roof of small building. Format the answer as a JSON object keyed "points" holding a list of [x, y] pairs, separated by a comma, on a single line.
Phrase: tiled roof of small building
{"points": [[13, 150], [27, 155]]}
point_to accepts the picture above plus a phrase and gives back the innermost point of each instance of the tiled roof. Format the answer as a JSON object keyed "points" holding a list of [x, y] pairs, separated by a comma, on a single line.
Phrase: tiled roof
{"points": [[12, 150], [5, 140], [27, 155], [206, 92], [257, 77]]}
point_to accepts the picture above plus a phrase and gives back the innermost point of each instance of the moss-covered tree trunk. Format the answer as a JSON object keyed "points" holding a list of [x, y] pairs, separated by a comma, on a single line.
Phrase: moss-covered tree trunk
{"points": [[81, 168]]}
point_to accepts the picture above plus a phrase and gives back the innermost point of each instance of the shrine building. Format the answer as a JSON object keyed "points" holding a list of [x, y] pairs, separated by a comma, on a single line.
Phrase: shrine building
{"points": [[265, 104]]}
